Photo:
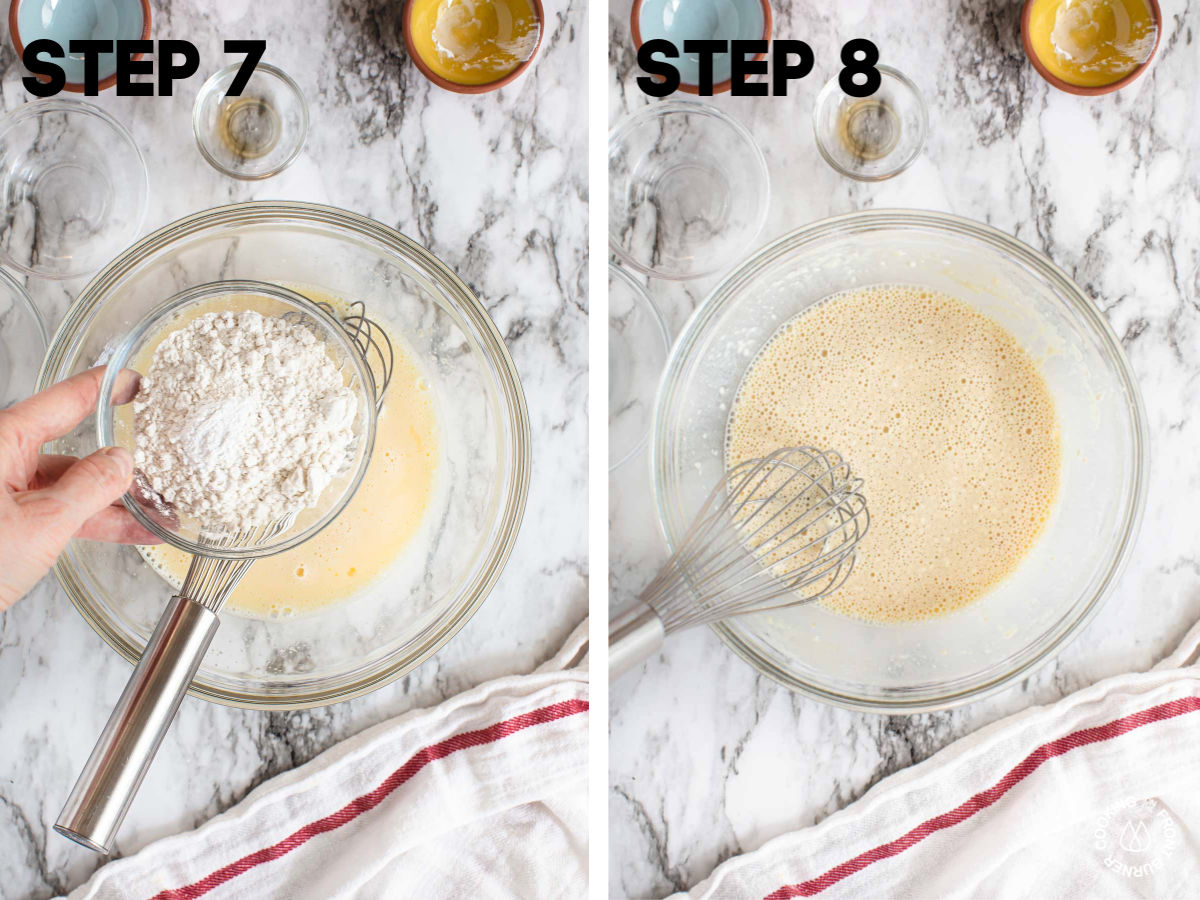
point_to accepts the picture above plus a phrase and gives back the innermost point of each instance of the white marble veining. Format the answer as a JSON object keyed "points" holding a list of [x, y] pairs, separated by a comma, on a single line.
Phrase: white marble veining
{"points": [[708, 759], [495, 185]]}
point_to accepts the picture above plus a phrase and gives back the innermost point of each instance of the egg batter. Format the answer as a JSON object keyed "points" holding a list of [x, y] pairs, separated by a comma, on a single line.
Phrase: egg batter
{"points": [[370, 534], [945, 418]]}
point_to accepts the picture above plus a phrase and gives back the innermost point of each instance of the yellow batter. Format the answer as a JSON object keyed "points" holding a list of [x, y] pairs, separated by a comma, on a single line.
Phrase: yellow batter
{"points": [[947, 420], [370, 533]]}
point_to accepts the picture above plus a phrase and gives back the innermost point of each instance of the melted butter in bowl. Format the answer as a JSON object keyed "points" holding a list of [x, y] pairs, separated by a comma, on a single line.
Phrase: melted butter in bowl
{"points": [[473, 42], [1092, 43]]}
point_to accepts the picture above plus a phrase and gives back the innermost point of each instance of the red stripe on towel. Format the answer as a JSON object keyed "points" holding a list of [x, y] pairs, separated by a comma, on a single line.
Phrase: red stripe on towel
{"points": [[984, 799], [366, 802]]}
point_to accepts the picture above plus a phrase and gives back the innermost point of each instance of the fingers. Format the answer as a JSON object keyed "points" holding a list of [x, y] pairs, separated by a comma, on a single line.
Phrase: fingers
{"points": [[55, 411], [115, 525], [86, 488], [50, 467]]}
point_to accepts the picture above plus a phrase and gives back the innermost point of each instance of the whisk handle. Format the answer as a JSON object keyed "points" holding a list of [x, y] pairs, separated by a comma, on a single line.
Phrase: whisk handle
{"points": [[114, 772], [633, 636]]}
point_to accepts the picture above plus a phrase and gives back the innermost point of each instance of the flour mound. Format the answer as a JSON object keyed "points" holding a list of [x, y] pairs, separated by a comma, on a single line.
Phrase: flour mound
{"points": [[242, 419]]}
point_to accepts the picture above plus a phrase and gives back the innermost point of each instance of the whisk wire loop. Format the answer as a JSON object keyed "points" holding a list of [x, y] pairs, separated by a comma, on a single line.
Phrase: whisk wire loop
{"points": [[368, 337], [211, 579], [774, 532]]}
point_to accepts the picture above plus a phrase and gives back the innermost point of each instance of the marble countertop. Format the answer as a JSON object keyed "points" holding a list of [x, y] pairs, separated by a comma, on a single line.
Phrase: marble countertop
{"points": [[709, 759], [496, 186]]}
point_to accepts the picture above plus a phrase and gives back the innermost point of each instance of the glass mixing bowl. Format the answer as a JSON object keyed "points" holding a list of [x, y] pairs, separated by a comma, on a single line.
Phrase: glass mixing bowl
{"points": [[22, 341], [1057, 588], [446, 571], [638, 344]]}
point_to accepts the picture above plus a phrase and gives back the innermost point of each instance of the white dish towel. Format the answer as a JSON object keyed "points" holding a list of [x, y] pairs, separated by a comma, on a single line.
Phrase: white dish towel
{"points": [[484, 796], [1096, 796]]}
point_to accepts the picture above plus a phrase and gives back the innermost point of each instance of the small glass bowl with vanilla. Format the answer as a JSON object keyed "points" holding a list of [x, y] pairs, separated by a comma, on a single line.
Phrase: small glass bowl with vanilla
{"points": [[472, 46]]}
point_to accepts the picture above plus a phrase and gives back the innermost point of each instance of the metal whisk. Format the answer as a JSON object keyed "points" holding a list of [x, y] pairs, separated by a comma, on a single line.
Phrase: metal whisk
{"points": [[371, 340], [139, 722], [774, 532]]}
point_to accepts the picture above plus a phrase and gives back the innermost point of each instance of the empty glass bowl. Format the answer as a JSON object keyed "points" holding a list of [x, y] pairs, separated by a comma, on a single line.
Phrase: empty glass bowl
{"points": [[22, 342], [257, 134], [688, 190], [74, 188], [638, 344], [871, 138]]}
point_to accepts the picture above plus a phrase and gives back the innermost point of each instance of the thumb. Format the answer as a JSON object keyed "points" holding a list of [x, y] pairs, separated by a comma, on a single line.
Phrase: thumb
{"points": [[90, 485]]}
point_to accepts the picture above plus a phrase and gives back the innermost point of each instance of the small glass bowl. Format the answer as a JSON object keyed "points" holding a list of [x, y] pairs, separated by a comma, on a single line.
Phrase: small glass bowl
{"points": [[115, 425], [871, 138], [638, 344], [688, 190], [74, 188], [23, 342], [255, 135]]}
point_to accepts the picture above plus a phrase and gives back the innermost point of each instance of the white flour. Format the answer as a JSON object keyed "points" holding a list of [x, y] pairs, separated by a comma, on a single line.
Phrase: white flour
{"points": [[242, 419]]}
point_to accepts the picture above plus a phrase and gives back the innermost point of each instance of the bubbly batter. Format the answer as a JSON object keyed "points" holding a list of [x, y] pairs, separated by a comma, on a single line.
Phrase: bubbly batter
{"points": [[369, 535], [947, 420]]}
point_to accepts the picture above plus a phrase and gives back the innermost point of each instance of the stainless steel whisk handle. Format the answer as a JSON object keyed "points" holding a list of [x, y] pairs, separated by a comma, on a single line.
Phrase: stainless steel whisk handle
{"points": [[634, 635], [115, 770]]}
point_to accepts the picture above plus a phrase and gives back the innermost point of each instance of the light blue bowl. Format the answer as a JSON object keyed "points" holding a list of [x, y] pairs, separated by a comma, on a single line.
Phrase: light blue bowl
{"points": [[66, 20], [681, 20]]}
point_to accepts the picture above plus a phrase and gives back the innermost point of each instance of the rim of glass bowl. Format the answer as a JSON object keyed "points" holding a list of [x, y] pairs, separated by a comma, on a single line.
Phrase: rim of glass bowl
{"points": [[670, 519], [667, 107], [475, 591], [834, 86], [161, 314], [660, 328], [211, 85], [21, 298], [36, 108]]}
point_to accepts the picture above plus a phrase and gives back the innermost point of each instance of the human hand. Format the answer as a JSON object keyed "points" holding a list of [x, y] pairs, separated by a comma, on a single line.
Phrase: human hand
{"points": [[47, 499]]}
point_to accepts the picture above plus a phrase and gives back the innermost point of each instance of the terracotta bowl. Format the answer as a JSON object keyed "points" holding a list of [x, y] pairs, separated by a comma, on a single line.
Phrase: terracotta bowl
{"points": [[688, 88], [104, 84], [445, 83], [1055, 81]]}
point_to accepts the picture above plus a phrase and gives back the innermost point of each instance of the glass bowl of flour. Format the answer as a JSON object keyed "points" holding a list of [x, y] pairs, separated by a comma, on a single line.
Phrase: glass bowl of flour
{"points": [[255, 409], [414, 553], [979, 565]]}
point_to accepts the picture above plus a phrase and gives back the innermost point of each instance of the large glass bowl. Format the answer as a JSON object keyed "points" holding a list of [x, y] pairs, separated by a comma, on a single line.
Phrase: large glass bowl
{"points": [[1057, 588], [444, 574]]}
